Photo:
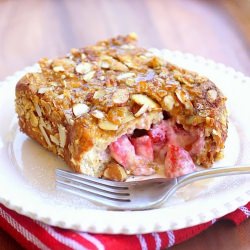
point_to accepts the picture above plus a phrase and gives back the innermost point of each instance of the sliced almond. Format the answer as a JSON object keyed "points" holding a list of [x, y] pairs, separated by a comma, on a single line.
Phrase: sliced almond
{"points": [[105, 61], [83, 56], [54, 139], [212, 95], [59, 68], [80, 109], [155, 62], [144, 99], [62, 135], [168, 102], [115, 172], [118, 66], [101, 78], [120, 96], [133, 35], [48, 126], [75, 52], [128, 117], [41, 122], [104, 64], [184, 98], [45, 107], [97, 114], [83, 68], [45, 136], [120, 115], [130, 82], [107, 125], [89, 76], [33, 120], [99, 94], [43, 90], [69, 119], [142, 110], [216, 132], [125, 75], [127, 46], [38, 110]]}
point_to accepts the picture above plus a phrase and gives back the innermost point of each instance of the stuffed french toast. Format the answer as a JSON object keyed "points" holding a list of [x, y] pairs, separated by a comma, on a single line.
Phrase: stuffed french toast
{"points": [[114, 109]]}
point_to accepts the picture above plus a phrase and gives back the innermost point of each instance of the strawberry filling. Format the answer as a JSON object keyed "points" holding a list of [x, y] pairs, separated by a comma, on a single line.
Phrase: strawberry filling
{"points": [[178, 162], [133, 158], [166, 143]]}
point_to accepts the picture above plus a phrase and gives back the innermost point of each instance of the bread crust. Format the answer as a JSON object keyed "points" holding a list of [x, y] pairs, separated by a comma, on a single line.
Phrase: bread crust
{"points": [[77, 105]]}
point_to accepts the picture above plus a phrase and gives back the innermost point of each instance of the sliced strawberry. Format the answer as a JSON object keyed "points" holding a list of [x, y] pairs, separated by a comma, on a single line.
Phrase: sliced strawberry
{"points": [[143, 147], [178, 162], [123, 151]]}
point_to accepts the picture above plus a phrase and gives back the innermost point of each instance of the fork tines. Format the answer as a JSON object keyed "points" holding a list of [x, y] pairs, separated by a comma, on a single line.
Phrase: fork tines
{"points": [[85, 185]]}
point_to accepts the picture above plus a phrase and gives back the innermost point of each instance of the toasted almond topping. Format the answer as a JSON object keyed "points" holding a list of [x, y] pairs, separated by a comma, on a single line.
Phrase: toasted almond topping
{"points": [[83, 56], [128, 117], [215, 132], [48, 126], [54, 139], [133, 35], [105, 65], [116, 65], [120, 96], [62, 135], [163, 74], [97, 114], [142, 110], [43, 90], [99, 94], [107, 125], [33, 120], [155, 62], [127, 46], [69, 119], [125, 75], [130, 82], [59, 68], [144, 99], [212, 95], [80, 109], [168, 102], [120, 115], [89, 76], [41, 122], [60, 96], [115, 172], [184, 98], [75, 52], [209, 121], [83, 68], [38, 110], [101, 78], [45, 135]]}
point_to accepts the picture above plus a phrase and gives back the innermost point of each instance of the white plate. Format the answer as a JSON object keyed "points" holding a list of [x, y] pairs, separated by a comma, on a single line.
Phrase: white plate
{"points": [[27, 182]]}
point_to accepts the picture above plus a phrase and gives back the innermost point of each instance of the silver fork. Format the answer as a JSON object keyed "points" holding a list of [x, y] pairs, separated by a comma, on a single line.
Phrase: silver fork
{"points": [[135, 195]]}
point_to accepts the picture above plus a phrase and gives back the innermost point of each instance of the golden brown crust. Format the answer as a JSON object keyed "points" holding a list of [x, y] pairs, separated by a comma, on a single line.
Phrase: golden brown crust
{"points": [[81, 102]]}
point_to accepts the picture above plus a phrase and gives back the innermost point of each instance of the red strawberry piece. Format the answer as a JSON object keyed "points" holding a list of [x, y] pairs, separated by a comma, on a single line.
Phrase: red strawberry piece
{"points": [[178, 162], [143, 147], [123, 151]]}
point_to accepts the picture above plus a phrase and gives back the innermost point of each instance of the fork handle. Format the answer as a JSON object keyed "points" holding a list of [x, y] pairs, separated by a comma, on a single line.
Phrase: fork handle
{"points": [[210, 173]]}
